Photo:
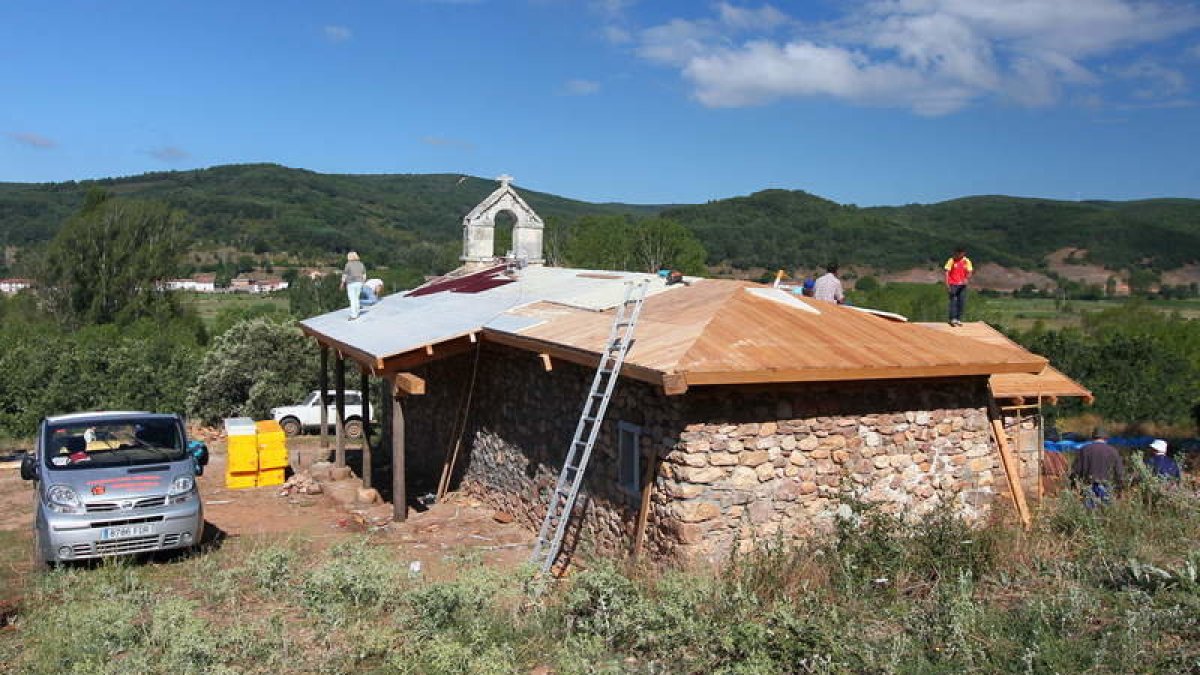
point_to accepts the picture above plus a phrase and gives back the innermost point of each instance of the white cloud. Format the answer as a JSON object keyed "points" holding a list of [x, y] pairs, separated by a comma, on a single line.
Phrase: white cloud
{"points": [[578, 87], [931, 56], [336, 34], [1154, 81], [169, 154], [32, 140]]}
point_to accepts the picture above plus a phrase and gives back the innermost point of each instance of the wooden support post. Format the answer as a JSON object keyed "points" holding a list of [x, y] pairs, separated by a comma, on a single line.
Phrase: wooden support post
{"points": [[1011, 465], [639, 534], [323, 383], [365, 391], [339, 413], [399, 497]]}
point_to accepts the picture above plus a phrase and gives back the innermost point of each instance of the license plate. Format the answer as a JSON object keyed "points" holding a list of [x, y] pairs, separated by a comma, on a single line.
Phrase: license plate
{"points": [[123, 531]]}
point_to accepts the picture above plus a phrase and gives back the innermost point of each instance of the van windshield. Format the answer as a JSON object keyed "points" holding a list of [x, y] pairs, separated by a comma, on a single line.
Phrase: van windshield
{"points": [[125, 442]]}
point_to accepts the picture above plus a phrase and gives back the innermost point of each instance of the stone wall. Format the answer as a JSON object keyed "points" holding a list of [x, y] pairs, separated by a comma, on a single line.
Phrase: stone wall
{"points": [[775, 465], [739, 467], [521, 421]]}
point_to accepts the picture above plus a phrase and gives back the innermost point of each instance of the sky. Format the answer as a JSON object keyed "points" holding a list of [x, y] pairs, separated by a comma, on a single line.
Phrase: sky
{"points": [[643, 101]]}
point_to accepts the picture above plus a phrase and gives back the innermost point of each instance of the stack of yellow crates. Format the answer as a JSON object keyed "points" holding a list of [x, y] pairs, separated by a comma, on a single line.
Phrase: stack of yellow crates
{"points": [[242, 447], [272, 453]]}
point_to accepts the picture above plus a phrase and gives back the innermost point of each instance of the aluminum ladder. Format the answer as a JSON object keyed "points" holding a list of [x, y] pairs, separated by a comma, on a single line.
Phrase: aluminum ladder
{"points": [[562, 501]]}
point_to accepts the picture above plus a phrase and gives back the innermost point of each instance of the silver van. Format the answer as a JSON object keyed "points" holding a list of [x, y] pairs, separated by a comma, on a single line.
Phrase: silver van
{"points": [[114, 483]]}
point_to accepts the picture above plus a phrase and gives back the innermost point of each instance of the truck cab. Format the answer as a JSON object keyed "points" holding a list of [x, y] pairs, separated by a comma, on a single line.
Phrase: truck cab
{"points": [[114, 483]]}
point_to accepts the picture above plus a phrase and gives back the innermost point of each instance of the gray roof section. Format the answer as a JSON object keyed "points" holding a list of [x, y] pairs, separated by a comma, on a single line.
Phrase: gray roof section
{"points": [[399, 323]]}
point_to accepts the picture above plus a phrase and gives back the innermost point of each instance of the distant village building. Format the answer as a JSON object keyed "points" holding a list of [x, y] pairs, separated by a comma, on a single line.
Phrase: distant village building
{"points": [[744, 414], [246, 283], [199, 283], [14, 285]]}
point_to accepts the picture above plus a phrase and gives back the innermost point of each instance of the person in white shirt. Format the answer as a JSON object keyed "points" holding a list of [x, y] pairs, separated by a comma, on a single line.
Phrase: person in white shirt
{"points": [[829, 286]]}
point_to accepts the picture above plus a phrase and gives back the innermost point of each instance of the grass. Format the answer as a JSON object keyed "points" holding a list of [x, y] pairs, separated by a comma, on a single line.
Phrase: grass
{"points": [[1116, 590], [210, 306]]}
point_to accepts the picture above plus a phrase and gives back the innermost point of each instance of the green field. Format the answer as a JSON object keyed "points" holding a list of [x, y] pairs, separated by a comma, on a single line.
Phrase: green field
{"points": [[1023, 313], [209, 305]]}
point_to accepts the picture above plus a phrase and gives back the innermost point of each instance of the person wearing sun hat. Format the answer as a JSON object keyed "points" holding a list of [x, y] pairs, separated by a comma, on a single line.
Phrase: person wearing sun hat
{"points": [[1161, 464]]}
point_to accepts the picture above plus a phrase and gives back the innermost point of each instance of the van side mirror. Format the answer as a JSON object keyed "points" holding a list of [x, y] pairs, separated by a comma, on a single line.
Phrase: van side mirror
{"points": [[29, 467], [199, 453]]}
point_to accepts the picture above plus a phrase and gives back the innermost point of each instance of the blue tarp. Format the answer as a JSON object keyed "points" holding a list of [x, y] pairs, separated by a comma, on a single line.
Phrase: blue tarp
{"points": [[1142, 442]]}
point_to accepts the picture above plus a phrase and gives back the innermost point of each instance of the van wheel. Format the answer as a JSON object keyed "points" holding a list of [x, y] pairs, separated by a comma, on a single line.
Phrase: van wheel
{"points": [[354, 429], [291, 426], [39, 562]]}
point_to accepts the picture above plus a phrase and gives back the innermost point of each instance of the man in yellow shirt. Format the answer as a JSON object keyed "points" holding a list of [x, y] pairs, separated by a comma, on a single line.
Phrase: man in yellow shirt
{"points": [[958, 274]]}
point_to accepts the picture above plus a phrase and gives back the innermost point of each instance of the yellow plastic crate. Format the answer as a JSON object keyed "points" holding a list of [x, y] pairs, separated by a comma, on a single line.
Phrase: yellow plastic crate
{"points": [[238, 481], [272, 458], [243, 454], [271, 477]]}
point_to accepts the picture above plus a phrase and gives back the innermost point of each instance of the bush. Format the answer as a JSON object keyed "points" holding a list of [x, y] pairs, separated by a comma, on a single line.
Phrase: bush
{"points": [[253, 366]]}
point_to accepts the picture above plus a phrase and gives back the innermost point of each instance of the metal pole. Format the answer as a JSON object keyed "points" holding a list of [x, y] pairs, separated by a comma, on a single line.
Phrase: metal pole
{"points": [[323, 383], [365, 391], [339, 379]]}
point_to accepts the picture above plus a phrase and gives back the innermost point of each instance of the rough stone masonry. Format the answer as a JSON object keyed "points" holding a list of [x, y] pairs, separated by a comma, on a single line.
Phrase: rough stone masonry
{"points": [[737, 468]]}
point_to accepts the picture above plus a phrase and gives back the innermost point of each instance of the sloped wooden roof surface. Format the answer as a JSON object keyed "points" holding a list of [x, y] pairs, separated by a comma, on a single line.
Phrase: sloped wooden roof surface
{"points": [[734, 332], [1048, 383]]}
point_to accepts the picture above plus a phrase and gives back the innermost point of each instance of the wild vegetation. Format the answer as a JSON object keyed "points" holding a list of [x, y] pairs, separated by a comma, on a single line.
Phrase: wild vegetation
{"points": [[1113, 590], [410, 223]]}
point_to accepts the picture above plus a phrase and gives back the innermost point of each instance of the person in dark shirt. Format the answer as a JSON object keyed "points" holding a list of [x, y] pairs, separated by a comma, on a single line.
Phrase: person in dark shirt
{"points": [[1099, 469], [1161, 465]]}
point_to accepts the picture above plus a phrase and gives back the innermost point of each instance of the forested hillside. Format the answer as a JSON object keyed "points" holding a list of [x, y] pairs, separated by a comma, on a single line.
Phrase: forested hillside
{"points": [[412, 221], [779, 228]]}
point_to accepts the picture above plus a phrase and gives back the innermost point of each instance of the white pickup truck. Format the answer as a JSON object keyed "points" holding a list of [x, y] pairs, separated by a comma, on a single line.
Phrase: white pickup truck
{"points": [[307, 414]]}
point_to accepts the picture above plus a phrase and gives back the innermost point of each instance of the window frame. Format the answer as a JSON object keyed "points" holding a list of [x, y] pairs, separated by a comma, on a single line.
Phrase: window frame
{"points": [[633, 488]]}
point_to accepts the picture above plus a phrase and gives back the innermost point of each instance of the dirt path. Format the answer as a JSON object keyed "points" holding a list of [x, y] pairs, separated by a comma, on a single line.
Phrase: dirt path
{"points": [[459, 526]]}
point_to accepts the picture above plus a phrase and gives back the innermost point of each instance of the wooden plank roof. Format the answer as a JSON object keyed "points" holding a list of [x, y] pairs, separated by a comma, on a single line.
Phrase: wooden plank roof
{"points": [[735, 332], [1048, 383]]}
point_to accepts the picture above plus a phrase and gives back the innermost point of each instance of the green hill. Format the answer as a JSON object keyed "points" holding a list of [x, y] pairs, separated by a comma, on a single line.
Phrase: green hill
{"points": [[413, 220]]}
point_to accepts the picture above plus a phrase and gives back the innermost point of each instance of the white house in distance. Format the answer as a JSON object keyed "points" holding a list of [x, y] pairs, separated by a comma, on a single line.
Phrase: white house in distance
{"points": [[200, 283], [12, 286]]}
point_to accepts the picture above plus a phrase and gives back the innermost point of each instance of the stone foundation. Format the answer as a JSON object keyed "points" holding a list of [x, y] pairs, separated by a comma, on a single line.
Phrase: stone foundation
{"points": [[738, 467]]}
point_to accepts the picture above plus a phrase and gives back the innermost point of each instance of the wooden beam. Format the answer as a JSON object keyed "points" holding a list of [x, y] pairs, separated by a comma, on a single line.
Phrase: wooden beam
{"points": [[1011, 465], [409, 384], [546, 364], [357, 355], [339, 413], [365, 392], [674, 384], [639, 533], [323, 383], [399, 497], [417, 357], [695, 378], [571, 355]]}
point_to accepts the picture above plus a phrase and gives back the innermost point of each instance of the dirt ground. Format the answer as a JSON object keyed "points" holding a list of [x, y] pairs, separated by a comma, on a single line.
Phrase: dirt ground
{"points": [[444, 531]]}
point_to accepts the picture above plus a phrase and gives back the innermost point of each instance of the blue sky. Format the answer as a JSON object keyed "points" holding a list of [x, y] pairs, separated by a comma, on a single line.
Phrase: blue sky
{"points": [[652, 101]]}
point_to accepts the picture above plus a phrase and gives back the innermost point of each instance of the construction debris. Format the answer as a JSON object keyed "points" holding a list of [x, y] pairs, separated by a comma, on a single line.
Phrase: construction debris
{"points": [[301, 483]]}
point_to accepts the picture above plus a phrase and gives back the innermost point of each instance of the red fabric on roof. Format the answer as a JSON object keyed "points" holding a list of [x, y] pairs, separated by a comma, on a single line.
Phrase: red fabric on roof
{"points": [[468, 283]]}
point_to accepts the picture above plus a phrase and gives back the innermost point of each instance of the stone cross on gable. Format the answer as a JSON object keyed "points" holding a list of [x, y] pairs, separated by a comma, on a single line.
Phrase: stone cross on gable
{"points": [[504, 179]]}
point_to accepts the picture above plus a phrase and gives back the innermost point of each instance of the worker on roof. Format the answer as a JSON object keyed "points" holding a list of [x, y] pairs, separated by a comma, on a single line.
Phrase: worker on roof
{"points": [[372, 290], [353, 276], [958, 273], [829, 286]]}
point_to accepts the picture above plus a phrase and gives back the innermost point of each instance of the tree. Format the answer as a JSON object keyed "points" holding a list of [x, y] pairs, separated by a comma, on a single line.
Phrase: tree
{"points": [[311, 297], [107, 264], [253, 366], [660, 243]]}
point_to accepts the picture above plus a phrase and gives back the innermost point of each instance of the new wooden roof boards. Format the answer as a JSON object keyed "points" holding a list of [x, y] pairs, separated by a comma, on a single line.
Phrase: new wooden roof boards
{"points": [[1048, 383], [706, 333], [734, 332]]}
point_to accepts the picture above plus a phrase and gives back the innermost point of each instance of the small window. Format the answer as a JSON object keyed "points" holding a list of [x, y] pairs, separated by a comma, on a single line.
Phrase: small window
{"points": [[353, 398], [629, 457]]}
